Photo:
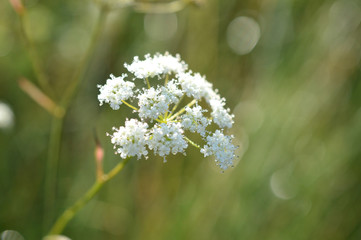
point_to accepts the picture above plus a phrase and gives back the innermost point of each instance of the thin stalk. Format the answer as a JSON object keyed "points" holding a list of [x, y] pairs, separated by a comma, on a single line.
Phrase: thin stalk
{"points": [[57, 123], [192, 143], [69, 213], [130, 105], [35, 60], [146, 79], [183, 109], [41, 98], [175, 106], [79, 74], [166, 80], [51, 168]]}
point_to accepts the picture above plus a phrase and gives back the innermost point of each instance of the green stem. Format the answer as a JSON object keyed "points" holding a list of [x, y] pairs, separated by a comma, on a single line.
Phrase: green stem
{"points": [[57, 123], [79, 74], [183, 109], [166, 80], [69, 213], [51, 168], [192, 143], [175, 106], [147, 82], [35, 60], [130, 105]]}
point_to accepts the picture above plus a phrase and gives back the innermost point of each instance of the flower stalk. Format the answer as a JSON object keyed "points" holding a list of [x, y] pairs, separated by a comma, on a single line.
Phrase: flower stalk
{"points": [[69, 213], [57, 123]]}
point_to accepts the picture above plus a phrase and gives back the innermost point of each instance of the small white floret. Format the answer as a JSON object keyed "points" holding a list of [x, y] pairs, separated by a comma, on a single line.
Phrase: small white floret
{"points": [[167, 138], [115, 91], [158, 65], [131, 139], [155, 102], [221, 147], [194, 85], [195, 121], [221, 116]]}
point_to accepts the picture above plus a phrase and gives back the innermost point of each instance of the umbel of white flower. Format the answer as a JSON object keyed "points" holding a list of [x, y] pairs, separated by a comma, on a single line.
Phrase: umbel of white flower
{"points": [[168, 111]]}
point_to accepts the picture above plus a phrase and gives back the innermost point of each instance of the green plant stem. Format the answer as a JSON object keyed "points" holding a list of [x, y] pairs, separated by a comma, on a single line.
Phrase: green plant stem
{"points": [[166, 80], [51, 168], [79, 73], [175, 106], [183, 109], [35, 60], [69, 213], [192, 143], [130, 105], [57, 123], [147, 80]]}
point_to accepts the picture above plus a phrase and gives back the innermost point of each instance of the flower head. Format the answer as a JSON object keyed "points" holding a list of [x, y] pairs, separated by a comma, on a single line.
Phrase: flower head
{"points": [[158, 65], [130, 140], [115, 91], [165, 119]]}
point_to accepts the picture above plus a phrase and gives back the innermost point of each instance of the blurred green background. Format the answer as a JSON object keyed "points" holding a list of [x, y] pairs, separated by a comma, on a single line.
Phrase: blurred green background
{"points": [[290, 71]]}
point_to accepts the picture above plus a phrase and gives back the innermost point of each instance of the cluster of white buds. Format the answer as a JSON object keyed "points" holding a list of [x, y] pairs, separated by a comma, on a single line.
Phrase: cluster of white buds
{"points": [[165, 118]]}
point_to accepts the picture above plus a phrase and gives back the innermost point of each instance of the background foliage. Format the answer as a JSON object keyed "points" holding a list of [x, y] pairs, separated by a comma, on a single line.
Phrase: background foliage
{"points": [[290, 71]]}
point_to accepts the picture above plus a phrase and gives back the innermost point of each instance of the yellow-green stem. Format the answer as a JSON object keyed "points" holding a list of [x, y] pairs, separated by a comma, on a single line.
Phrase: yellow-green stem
{"points": [[147, 82], [192, 143], [183, 109], [166, 80], [130, 105], [175, 106], [69, 213]]}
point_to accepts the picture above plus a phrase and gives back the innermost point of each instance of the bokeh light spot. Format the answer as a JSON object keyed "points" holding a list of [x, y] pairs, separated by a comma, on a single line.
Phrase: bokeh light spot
{"points": [[6, 116], [281, 184], [243, 34], [11, 235]]}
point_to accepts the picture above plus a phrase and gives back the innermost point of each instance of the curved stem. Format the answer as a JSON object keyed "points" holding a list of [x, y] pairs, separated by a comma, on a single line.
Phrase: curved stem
{"points": [[69, 213]]}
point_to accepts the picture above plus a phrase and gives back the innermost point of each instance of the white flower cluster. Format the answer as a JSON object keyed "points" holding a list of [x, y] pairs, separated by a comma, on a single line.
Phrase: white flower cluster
{"points": [[164, 115], [115, 91], [158, 65], [131, 139], [221, 146]]}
